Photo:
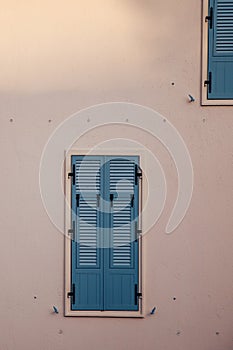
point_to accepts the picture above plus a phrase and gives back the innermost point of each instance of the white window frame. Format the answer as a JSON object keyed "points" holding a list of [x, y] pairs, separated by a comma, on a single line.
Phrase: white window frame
{"points": [[142, 199], [204, 88]]}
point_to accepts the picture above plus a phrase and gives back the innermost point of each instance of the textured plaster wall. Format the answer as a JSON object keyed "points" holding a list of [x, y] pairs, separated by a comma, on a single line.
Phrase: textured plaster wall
{"points": [[56, 58]]}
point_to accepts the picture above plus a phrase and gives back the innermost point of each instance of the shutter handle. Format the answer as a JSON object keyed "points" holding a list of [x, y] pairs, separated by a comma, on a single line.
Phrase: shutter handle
{"points": [[98, 200], [77, 199], [132, 200], [111, 199]]}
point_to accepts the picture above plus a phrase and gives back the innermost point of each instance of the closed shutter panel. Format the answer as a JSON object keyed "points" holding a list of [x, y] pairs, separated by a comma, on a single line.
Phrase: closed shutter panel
{"points": [[87, 265], [220, 50], [121, 259]]}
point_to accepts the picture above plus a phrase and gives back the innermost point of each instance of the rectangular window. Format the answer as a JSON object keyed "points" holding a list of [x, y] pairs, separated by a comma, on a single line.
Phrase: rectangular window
{"points": [[218, 52], [104, 249]]}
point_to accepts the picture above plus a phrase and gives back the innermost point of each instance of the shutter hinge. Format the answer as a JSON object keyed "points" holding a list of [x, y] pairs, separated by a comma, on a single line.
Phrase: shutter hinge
{"points": [[71, 231], [137, 231], [72, 174], [209, 82], [71, 294], [137, 294], [209, 18], [138, 173]]}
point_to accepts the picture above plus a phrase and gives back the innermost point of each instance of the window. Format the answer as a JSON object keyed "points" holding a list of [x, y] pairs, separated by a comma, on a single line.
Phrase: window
{"points": [[104, 252], [218, 52]]}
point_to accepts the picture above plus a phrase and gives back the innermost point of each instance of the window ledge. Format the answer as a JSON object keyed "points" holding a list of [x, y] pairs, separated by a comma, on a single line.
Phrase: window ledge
{"points": [[206, 102], [129, 314]]}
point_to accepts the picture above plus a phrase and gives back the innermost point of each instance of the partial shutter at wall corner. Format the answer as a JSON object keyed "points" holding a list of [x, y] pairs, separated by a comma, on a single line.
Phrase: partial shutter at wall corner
{"points": [[220, 49]]}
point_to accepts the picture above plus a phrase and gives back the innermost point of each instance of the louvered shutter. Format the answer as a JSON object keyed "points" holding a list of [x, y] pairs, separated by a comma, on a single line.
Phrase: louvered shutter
{"points": [[220, 50], [104, 262], [121, 259], [87, 264]]}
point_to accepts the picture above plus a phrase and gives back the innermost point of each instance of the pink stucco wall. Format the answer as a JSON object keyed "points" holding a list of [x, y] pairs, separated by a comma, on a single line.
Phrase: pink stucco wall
{"points": [[56, 58]]}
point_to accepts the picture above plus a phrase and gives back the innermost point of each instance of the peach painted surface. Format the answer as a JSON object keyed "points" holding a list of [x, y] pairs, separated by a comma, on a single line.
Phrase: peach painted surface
{"points": [[56, 58]]}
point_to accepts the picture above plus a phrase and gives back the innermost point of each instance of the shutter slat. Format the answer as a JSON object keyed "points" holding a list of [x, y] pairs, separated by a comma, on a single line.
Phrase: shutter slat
{"points": [[87, 173], [224, 23], [122, 174], [87, 234]]}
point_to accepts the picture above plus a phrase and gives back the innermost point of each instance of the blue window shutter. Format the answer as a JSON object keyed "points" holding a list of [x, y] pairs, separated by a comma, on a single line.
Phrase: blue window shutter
{"points": [[220, 50], [121, 259], [87, 257], [104, 248]]}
